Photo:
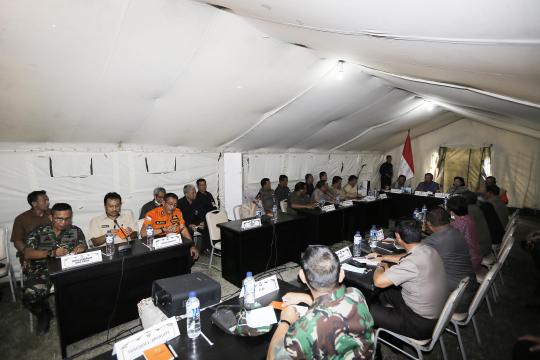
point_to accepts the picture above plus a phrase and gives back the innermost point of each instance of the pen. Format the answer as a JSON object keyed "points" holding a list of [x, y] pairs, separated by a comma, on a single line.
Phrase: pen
{"points": [[172, 351]]}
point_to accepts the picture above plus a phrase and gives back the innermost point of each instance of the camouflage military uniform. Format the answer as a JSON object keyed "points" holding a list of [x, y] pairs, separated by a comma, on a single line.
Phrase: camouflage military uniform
{"points": [[336, 326], [36, 278]]}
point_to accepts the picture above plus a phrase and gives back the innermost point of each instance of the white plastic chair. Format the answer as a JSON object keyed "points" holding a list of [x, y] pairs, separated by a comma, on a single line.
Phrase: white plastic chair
{"points": [[7, 270], [236, 212], [428, 344], [283, 204], [213, 218], [463, 319]]}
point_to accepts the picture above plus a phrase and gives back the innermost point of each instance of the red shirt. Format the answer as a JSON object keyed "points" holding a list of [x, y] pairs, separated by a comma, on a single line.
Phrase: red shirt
{"points": [[465, 224]]}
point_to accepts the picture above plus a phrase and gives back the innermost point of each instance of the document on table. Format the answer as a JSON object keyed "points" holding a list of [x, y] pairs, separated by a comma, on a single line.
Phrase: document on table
{"points": [[363, 260], [354, 269], [261, 317]]}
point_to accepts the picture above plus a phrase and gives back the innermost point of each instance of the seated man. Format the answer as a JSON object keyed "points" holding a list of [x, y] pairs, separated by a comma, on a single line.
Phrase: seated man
{"points": [[309, 184], [454, 252], [335, 190], [192, 213], [496, 230], [299, 200], [503, 195], [458, 186], [321, 193], [492, 195], [400, 182], [413, 309], [266, 196], [204, 198], [122, 225], [282, 191], [337, 325], [482, 228], [351, 189], [323, 176], [167, 220], [457, 206], [428, 184], [24, 223], [56, 239], [159, 193]]}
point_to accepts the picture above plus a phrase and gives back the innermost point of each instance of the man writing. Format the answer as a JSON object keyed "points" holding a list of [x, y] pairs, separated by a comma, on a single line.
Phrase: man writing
{"points": [[159, 194], [299, 200], [337, 324], [29, 220], [120, 224], [413, 309], [168, 220], [48, 241]]}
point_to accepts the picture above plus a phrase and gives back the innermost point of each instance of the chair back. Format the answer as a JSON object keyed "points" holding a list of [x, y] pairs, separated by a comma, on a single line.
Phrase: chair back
{"points": [[482, 290], [236, 212], [213, 218], [448, 311], [505, 251], [513, 220], [283, 205], [4, 253], [508, 236]]}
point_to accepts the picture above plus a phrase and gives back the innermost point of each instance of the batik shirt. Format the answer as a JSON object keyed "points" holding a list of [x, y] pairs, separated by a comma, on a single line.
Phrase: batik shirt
{"points": [[337, 326]]}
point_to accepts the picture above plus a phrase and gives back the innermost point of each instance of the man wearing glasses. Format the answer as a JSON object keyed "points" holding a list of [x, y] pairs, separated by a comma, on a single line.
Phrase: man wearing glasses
{"points": [[56, 239]]}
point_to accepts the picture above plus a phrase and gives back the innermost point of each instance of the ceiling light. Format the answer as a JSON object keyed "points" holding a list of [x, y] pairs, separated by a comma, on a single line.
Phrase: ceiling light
{"points": [[339, 75]]}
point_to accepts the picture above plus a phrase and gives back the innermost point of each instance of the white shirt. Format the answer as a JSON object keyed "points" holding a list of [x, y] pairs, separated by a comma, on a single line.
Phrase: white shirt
{"points": [[101, 223]]}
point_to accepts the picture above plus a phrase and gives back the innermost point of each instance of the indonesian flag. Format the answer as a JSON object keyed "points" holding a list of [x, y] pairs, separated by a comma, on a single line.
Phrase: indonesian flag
{"points": [[406, 166]]}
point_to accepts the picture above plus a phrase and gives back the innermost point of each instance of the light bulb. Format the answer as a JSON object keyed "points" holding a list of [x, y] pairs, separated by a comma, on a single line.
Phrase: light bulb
{"points": [[339, 75]]}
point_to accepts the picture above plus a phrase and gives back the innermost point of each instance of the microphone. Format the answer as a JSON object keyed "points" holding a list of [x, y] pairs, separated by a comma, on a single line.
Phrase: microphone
{"points": [[122, 230]]}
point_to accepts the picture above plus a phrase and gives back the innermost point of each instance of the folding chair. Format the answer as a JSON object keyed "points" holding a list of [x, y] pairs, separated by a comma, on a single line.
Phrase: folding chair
{"points": [[463, 319], [428, 344], [7, 270]]}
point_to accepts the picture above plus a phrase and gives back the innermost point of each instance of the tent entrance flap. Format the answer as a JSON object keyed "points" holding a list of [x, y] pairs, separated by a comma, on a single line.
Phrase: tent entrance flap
{"points": [[468, 163]]}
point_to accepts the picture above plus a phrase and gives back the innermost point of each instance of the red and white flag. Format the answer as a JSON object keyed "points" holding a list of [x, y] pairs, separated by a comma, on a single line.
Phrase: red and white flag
{"points": [[406, 166]]}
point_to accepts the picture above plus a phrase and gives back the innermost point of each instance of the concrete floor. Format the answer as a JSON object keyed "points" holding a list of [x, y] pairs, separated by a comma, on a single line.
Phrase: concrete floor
{"points": [[513, 316]]}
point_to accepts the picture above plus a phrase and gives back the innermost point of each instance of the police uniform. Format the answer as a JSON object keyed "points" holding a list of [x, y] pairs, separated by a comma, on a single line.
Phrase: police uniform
{"points": [[336, 326], [37, 284]]}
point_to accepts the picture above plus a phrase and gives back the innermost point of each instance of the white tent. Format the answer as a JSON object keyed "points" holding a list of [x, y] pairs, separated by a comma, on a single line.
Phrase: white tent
{"points": [[125, 95]]}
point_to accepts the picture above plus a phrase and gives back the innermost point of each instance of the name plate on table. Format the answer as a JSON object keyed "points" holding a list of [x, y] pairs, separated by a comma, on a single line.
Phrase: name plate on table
{"points": [[369, 198], [344, 254], [383, 196], [421, 193], [441, 195], [395, 191], [346, 203], [328, 208], [71, 261], [132, 347], [263, 287], [251, 224], [167, 241], [380, 235]]}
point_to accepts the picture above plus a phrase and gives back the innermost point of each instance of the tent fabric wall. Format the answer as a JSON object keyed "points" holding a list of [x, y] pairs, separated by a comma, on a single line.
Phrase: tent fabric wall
{"points": [[296, 165], [515, 160]]}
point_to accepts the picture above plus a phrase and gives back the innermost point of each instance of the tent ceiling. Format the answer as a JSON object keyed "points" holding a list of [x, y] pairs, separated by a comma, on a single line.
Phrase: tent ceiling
{"points": [[182, 73]]}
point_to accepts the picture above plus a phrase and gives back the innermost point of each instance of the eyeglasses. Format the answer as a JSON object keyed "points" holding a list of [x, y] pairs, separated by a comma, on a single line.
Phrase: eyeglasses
{"points": [[61, 219]]}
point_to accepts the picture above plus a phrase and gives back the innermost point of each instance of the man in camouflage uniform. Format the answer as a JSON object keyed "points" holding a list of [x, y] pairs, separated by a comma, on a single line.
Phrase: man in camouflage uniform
{"points": [[337, 325], [47, 241]]}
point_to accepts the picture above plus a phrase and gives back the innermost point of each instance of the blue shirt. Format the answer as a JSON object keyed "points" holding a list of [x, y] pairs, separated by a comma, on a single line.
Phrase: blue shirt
{"points": [[424, 186]]}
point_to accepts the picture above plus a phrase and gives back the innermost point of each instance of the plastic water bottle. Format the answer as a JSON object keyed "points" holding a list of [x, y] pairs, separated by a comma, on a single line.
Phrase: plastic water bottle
{"points": [[445, 203], [415, 214], [249, 290], [150, 236], [357, 244], [424, 212], [193, 314], [274, 212], [109, 243]]}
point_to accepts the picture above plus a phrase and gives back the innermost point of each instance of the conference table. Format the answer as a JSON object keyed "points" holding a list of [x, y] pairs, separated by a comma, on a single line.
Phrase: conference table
{"points": [[225, 346], [276, 243], [99, 296]]}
